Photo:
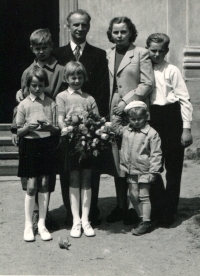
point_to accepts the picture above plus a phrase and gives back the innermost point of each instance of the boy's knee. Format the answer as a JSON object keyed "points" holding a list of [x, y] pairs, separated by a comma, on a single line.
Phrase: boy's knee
{"points": [[133, 189]]}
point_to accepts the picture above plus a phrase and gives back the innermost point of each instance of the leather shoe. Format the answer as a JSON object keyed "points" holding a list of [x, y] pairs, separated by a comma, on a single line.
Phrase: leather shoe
{"points": [[143, 228]]}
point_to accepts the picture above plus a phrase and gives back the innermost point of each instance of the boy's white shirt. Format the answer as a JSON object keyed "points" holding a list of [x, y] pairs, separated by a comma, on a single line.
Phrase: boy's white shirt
{"points": [[170, 88]]}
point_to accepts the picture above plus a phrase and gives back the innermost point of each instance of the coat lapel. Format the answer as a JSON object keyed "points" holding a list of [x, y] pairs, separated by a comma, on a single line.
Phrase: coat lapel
{"points": [[88, 56], [127, 58], [111, 62]]}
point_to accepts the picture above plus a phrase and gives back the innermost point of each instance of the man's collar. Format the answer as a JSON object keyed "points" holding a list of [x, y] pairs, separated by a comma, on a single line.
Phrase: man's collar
{"points": [[144, 129], [33, 97], [71, 91], [73, 46]]}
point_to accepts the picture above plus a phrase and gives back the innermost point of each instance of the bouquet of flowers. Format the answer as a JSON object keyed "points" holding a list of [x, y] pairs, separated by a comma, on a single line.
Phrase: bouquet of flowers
{"points": [[91, 134]]}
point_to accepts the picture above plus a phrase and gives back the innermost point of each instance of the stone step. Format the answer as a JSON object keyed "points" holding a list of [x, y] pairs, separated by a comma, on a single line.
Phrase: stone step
{"points": [[5, 140], [6, 145], [8, 155], [5, 130], [8, 152], [8, 167]]}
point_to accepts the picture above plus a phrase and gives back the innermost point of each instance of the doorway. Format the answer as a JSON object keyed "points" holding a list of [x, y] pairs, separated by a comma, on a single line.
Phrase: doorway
{"points": [[18, 19]]}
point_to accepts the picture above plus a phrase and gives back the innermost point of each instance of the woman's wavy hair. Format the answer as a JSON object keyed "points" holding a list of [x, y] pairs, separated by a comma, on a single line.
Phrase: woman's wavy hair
{"points": [[130, 25]]}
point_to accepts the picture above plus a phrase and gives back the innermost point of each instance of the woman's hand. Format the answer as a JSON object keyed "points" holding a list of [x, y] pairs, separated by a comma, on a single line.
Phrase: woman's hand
{"points": [[118, 110], [186, 138]]}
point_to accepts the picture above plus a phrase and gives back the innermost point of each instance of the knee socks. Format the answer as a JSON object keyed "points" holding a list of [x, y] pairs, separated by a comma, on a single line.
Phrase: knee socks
{"points": [[29, 206], [43, 203]]}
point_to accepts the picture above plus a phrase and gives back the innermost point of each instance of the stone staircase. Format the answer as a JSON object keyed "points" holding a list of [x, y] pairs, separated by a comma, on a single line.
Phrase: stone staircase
{"points": [[8, 152]]}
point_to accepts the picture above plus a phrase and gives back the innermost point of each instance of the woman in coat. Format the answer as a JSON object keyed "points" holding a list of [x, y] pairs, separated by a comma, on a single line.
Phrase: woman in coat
{"points": [[131, 78]]}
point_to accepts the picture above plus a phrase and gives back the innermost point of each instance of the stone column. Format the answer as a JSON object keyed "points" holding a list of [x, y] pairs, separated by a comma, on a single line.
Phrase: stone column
{"points": [[65, 7]]}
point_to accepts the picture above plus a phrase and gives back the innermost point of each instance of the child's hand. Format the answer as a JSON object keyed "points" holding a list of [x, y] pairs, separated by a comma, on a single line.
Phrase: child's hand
{"points": [[19, 96], [118, 110], [186, 138], [15, 140], [45, 126], [32, 126], [152, 177]]}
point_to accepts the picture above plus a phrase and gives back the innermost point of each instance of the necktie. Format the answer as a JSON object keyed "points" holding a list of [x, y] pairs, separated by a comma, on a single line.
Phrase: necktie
{"points": [[77, 52]]}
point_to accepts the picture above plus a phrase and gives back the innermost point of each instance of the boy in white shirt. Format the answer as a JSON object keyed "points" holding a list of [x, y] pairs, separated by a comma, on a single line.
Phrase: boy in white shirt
{"points": [[171, 117]]}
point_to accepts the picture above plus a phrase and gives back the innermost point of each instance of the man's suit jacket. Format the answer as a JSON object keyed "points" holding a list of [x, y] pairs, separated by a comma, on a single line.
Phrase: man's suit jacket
{"points": [[95, 62], [134, 77]]}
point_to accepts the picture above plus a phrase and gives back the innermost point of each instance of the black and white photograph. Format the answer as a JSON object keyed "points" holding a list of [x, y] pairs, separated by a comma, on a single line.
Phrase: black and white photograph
{"points": [[100, 137]]}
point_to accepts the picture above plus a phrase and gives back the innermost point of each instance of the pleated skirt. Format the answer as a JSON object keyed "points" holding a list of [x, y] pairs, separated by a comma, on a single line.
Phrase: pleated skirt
{"points": [[38, 157]]}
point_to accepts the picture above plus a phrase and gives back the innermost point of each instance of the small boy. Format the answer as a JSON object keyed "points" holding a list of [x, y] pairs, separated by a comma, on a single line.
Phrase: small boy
{"points": [[140, 158], [171, 116], [41, 45]]}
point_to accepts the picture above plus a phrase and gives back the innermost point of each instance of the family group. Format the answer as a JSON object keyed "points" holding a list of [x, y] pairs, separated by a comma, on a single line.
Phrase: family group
{"points": [[148, 105]]}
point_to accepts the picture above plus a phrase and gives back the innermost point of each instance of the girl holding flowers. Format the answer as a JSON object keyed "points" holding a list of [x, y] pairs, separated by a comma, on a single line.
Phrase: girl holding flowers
{"points": [[74, 105]]}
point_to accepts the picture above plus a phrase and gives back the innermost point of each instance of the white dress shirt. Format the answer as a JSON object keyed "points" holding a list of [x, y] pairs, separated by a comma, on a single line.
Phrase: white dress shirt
{"points": [[170, 88], [73, 46]]}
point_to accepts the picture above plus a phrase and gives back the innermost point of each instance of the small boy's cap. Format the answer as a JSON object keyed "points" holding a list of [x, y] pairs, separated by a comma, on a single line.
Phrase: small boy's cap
{"points": [[134, 104]]}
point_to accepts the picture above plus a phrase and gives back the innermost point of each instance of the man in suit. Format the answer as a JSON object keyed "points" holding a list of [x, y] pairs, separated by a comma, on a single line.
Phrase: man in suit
{"points": [[94, 60]]}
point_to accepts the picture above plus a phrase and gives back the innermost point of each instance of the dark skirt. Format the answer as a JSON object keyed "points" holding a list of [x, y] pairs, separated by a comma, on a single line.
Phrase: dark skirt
{"points": [[69, 160], [38, 156]]}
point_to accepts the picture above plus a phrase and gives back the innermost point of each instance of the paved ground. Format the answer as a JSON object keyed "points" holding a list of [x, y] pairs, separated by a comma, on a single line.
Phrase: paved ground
{"points": [[114, 251]]}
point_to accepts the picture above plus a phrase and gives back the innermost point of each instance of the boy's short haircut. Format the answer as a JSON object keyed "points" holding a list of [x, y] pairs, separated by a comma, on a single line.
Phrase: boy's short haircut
{"points": [[74, 67], [41, 36], [134, 111], [158, 38], [39, 73]]}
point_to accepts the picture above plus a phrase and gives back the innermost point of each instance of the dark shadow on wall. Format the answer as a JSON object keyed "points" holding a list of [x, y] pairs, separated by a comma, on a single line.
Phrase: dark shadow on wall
{"points": [[18, 19]]}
